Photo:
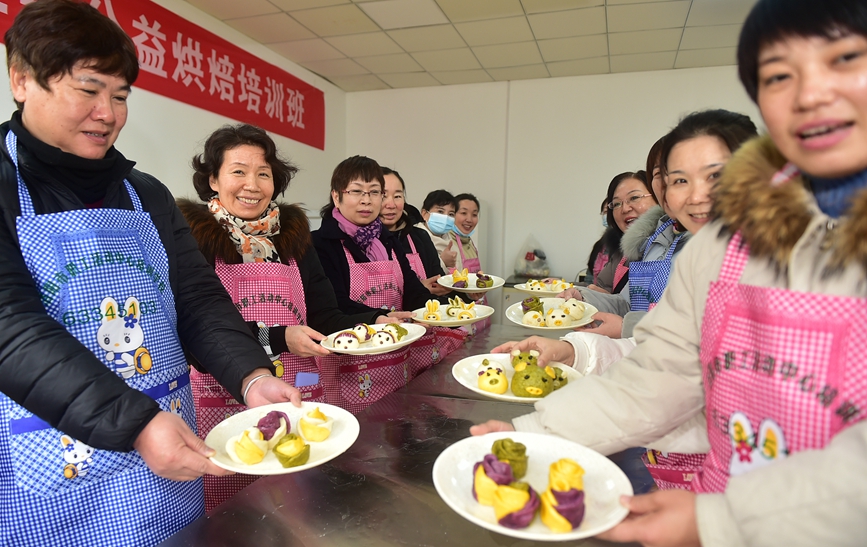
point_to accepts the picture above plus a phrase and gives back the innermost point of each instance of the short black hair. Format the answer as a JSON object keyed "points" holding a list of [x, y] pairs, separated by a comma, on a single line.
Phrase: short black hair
{"points": [[350, 169], [732, 128], [208, 163], [439, 198], [50, 37], [468, 197], [772, 20], [390, 171]]}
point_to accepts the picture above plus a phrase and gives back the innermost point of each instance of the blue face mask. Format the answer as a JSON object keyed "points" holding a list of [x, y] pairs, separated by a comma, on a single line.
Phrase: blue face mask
{"points": [[456, 230], [440, 224], [604, 221]]}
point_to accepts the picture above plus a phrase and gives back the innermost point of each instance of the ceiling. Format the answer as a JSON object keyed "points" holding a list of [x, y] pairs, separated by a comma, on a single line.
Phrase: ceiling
{"points": [[363, 45]]}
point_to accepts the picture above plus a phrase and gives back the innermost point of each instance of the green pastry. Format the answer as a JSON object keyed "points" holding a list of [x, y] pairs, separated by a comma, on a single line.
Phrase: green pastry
{"points": [[515, 454]]}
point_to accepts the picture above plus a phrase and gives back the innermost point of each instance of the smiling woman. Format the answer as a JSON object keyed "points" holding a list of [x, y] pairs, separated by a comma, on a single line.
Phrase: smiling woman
{"points": [[106, 343]]}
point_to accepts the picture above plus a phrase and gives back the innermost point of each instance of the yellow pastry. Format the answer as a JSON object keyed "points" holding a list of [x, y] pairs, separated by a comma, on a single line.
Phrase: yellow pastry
{"points": [[248, 448], [316, 426]]}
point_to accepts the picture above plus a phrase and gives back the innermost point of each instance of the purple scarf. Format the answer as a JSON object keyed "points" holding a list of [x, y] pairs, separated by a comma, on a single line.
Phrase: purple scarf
{"points": [[366, 237]]}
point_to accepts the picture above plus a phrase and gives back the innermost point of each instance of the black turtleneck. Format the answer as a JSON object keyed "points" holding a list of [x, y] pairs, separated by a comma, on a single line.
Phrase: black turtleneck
{"points": [[87, 179]]}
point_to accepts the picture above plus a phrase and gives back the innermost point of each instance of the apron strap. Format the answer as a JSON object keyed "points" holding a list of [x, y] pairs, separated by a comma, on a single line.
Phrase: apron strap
{"points": [[737, 255], [25, 202], [671, 248], [653, 237], [619, 273], [411, 244]]}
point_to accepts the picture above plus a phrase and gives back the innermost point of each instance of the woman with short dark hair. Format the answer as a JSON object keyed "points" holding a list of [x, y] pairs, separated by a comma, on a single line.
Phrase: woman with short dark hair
{"points": [[102, 290]]}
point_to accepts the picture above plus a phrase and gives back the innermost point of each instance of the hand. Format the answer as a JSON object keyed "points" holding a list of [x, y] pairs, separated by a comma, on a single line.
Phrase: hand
{"points": [[302, 341], [571, 292], [661, 519], [269, 390], [394, 317], [597, 288], [491, 426], [611, 325], [173, 452], [435, 288], [448, 256], [549, 350]]}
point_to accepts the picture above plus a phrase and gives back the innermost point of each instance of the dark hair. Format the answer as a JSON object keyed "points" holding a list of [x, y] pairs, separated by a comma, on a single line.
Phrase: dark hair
{"points": [[730, 127], [653, 159], [439, 198], [604, 207], [612, 187], [48, 38], [208, 163], [388, 171], [354, 168], [773, 20], [469, 197]]}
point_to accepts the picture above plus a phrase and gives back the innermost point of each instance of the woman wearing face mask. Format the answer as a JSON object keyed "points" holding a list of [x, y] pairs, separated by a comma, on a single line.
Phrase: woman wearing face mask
{"points": [[758, 340], [264, 256], [438, 214], [369, 272]]}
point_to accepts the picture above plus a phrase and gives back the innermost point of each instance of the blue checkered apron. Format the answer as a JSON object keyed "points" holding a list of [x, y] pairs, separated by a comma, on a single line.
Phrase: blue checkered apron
{"points": [[648, 278], [104, 275]]}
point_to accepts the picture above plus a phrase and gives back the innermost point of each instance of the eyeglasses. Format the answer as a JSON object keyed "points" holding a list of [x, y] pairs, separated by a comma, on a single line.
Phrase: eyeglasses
{"points": [[356, 194], [631, 200]]}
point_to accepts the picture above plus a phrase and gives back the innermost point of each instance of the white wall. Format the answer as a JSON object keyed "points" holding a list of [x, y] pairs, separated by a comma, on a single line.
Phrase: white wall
{"points": [[538, 153], [162, 135]]}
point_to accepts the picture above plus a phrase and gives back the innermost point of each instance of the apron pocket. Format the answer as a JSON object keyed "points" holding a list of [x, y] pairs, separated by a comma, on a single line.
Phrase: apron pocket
{"points": [[354, 382]]}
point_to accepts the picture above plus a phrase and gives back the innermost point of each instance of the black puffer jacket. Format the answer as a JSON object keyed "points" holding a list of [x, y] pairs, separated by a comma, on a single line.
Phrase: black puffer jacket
{"points": [[48, 372]]}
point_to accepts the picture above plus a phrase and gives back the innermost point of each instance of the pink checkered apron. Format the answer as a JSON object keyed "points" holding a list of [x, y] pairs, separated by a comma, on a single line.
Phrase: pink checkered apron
{"points": [[415, 260], [474, 265], [272, 293], [783, 371], [354, 382]]}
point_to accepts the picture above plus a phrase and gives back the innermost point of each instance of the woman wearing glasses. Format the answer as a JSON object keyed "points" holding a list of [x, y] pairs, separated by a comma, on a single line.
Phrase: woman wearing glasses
{"points": [[369, 272], [262, 252], [629, 197]]}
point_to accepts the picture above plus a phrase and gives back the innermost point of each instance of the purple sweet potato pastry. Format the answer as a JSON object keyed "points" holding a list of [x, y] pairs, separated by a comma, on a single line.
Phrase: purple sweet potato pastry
{"points": [[270, 423], [522, 518], [495, 470], [570, 505]]}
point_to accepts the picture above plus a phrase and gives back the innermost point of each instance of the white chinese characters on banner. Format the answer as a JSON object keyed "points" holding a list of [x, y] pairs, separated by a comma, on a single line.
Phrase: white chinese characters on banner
{"points": [[250, 90], [151, 57], [189, 59], [221, 76], [274, 102], [295, 108]]}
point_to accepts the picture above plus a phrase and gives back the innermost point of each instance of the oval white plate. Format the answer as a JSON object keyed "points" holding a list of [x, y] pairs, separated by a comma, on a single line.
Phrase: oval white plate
{"points": [[343, 433], [413, 333], [481, 313], [515, 314], [524, 288], [466, 372], [448, 281], [604, 483]]}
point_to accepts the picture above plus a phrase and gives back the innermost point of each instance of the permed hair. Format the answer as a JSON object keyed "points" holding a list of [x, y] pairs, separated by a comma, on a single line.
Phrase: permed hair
{"points": [[208, 163]]}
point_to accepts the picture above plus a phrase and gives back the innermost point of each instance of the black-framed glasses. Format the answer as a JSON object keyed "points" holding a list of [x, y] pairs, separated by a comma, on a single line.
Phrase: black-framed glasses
{"points": [[631, 200]]}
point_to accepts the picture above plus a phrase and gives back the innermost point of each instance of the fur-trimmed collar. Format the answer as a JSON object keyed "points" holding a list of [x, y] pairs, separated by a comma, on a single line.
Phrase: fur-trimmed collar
{"points": [[293, 241], [773, 218], [634, 239]]}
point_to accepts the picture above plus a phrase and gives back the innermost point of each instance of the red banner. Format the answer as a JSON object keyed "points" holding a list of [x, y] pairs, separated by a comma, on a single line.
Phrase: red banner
{"points": [[182, 61]]}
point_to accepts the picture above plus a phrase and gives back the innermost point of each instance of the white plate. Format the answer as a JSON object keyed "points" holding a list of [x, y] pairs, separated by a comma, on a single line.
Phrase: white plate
{"points": [[343, 434], [524, 288], [515, 314], [466, 372], [604, 483], [481, 313], [448, 281], [413, 333]]}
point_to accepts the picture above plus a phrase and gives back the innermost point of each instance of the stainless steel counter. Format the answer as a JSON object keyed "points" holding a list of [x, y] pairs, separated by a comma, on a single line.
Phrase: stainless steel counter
{"points": [[381, 491]]}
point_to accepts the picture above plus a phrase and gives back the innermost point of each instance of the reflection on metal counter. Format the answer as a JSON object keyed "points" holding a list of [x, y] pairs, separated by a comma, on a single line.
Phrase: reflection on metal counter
{"points": [[381, 492]]}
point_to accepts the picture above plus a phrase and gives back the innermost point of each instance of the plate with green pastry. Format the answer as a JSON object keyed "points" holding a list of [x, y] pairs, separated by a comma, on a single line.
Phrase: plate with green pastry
{"points": [[513, 378]]}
